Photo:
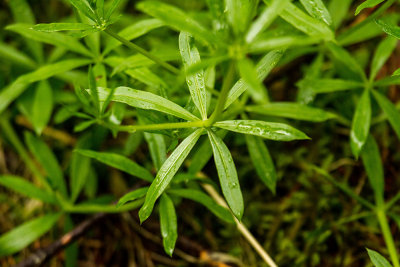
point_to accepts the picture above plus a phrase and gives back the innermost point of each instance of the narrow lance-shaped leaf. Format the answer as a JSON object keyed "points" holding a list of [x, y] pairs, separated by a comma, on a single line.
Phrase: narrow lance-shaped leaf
{"points": [[93, 91], [292, 111], [84, 7], [11, 54], [23, 187], [389, 29], [42, 106], [177, 19], [23, 235], [133, 195], [264, 67], [55, 27], [112, 8], [382, 53], [321, 86], [227, 174], [167, 172], [373, 166], [206, 201], [318, 10], [168, 224], [146, 100], [361, 123], [119, 162], [190, 56], [249, 75], [157, 147], [265, 19], [377, 259], [48, 161], [390, 109], [367, 4], [262, 161], [269, 130]]}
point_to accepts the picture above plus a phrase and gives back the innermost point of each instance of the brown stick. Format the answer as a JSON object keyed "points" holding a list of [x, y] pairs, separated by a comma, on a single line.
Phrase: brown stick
{"points": [[40, 256]]}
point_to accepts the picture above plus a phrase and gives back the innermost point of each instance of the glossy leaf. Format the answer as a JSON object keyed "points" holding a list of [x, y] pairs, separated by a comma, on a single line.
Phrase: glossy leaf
{"points": [[206, 201], [11, 92], [292, 111], [177, 19], [382, 54], [23, 235], [54, 38], [227, 174], [23, 187], [263, 68], [262, 161], [168, 224], [389, 29], [367, 4], [262, 45], [318, 10], [390, 109], [377, 259], [146, 100], [133, 195], [48, 161], [94, 95], [265, 19], [372, 161], [249, 76], [361, 123], [42, 106], [238, 13], [55, 27], [269, 130], [167, 172], [119, 162], [322, 86], [157, 147], [190, 56], [112, 8], [84, 7]]}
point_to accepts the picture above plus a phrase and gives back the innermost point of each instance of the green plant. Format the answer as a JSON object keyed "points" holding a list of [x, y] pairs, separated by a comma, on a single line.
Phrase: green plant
{"points": [[224, 93]]}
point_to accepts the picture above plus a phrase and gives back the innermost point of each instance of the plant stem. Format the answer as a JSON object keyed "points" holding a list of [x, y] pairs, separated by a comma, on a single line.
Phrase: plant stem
{"points": [[142, 51], [228, 80], [387, 235], [83, 208], [161, 126], [14, 140], [242, 228]]}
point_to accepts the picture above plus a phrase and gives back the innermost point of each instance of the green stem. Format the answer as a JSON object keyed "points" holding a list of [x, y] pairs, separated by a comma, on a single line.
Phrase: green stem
{"points": [[366, 21], [228, 80], [142, 51], [12, 137], [387, 235], [161, 126], [86, 208]]}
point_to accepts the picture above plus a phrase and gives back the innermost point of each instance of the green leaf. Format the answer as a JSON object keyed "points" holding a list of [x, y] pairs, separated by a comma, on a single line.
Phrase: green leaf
{"points": [[264, 67], [167, 172], [23, 235], [269, 130], [84, 7], [292, 111], [227, 174], [157, 147], [190, 56], [367, 4], [268, 43], [318, 10], [305, 23], [206, 201], [119, 162], [168, 224], [146, 100], [94, 95], [264, 20], [238, 13], [48, 161], [11, 92], [377, 259], [373, 166], [262, 161], [54, 38], [382, 53], [112, 8], [249, 75], [23, 187], [361, 124], [134, 31], [390, 109], [13, 55], [177, 19], [389, 29], [42, 106], [339, 10], [322, 86], [133, 195], [55, 27]]}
